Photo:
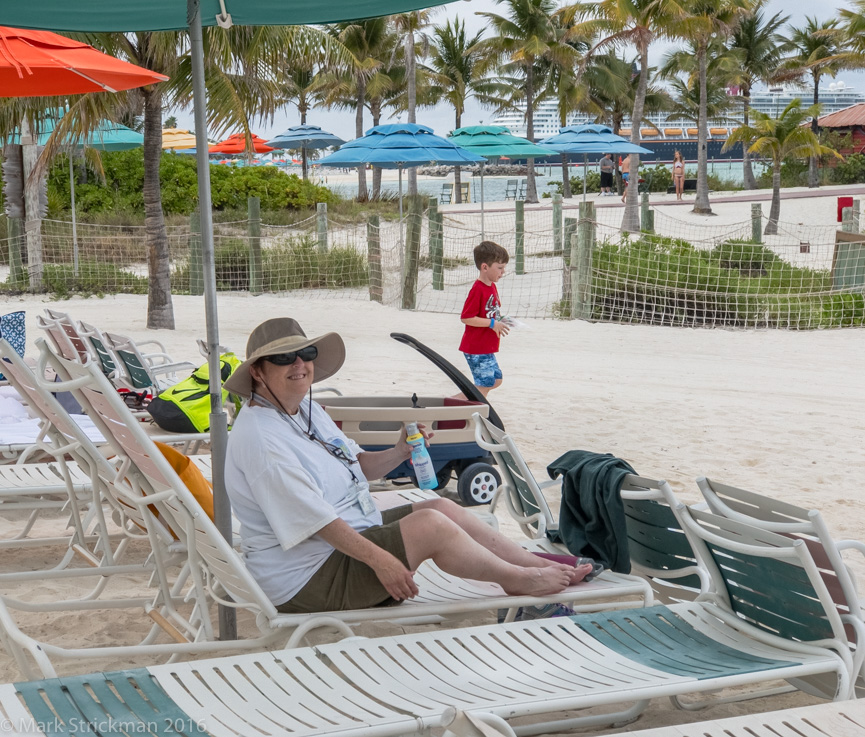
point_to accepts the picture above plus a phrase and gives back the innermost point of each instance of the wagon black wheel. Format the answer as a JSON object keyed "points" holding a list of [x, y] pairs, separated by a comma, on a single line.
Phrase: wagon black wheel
{"points": [[477, 484]]}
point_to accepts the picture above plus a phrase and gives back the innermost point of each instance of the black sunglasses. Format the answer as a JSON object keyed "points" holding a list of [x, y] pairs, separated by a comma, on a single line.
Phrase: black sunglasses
{"points": [[310, 353]]}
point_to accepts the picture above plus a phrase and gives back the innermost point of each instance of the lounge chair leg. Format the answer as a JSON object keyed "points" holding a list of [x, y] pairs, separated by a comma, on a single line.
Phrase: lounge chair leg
{"points": [[474, 724], [704, 703], [615, 719]]}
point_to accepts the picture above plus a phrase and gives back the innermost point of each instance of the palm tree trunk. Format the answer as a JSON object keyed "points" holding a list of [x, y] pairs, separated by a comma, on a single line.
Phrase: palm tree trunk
{"points": [[160, 311], [362, 193], [812, 161], [631, 219], [411, 93], [701, 203], [458, 194], [303, 155], [566, 179], [375, 109], [775, 209], [748, 178], [531, 186]]}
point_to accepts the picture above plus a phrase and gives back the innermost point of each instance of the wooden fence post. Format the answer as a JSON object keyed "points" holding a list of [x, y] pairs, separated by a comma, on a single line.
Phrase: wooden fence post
{"points": [[17, 272], [557, 223], [196, 260], [856, 216], [432, 209], [373, 251], [520, 231], [253, 208], [568, 233], [756, 222], [644, 210], [412, 252], [581, 259], [321, 226], [437, 247]]}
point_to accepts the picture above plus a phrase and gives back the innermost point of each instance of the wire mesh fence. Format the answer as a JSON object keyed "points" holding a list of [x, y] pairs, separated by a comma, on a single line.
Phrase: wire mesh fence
{"points": [[681, 274]]}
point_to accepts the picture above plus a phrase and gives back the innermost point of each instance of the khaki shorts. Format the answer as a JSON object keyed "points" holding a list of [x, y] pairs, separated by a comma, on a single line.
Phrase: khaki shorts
{"points": [[344, 582]]}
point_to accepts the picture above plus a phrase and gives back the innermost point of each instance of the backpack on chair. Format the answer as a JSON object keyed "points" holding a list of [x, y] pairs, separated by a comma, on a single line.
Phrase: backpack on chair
{"points": [[185, 407]]}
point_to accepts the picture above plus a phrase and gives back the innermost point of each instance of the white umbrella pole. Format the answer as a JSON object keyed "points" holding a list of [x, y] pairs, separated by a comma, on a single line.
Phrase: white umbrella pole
{"points": [[483, 233], [401, 224], [218, 419], [74, 223], [585, 174]]}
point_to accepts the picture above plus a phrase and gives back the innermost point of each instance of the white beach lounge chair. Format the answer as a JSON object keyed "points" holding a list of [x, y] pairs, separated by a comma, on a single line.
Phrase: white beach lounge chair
{"points": [[658, 547], [838, 719], [408, 684], [142, 477]]}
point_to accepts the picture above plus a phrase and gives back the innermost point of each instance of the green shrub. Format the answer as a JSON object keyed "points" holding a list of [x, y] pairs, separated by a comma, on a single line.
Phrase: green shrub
{"points": [[295, 264], [737, 284], [849, 171], [122, 187], [93, 278]]}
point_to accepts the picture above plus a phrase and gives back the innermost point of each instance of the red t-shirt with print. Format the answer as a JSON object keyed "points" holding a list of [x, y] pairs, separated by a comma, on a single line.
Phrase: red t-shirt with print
{"points": [[483, 301]]}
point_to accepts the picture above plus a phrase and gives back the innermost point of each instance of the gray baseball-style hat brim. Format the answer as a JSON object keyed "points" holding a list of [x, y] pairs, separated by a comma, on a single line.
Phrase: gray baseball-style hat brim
{"points": [[283, 335]]}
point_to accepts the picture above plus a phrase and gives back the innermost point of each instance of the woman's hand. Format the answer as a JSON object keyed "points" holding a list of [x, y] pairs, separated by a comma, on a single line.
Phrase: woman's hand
{"points": [[397, 580], [403, 447]]}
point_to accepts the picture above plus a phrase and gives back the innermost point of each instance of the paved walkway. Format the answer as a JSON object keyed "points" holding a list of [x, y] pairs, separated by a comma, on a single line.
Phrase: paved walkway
{"points": [[663, 199]]}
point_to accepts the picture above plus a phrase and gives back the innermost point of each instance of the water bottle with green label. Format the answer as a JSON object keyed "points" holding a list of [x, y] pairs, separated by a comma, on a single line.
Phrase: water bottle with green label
{"points": [[420, 458]]}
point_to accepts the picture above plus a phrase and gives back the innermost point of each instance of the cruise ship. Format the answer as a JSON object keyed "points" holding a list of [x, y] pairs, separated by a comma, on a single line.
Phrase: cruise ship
{"points": [[669, 136]]}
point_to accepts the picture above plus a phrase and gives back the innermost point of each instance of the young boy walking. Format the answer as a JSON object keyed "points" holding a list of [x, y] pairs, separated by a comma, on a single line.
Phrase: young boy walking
{"points": [[482, 317]]}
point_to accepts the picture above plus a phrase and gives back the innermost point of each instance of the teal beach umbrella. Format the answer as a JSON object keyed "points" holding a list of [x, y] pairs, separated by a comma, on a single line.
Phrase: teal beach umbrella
{"points": [[493, 141]]}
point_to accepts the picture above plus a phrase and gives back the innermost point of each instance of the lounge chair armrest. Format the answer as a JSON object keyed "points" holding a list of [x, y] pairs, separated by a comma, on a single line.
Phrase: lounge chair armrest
{"points": [[851, 545], [159, 344], [170, 368]]}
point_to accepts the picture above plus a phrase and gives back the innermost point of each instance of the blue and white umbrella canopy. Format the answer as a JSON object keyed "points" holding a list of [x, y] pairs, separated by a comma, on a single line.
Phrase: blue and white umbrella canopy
{"points": [[305, 136], [400, 146], [591, 138]]}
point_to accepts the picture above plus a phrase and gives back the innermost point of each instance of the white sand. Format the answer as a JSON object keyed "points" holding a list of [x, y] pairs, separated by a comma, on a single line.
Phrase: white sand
{"points": [[777, 412]]}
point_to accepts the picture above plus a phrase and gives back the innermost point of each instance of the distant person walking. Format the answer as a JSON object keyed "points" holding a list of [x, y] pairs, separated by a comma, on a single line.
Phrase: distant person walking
{"points": [[625, 167], [679, 174], [607, 166]]}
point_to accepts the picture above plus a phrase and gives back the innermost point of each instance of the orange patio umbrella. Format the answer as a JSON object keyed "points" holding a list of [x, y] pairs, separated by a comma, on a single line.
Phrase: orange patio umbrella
{"points": [[40, 63], [236, 144]]}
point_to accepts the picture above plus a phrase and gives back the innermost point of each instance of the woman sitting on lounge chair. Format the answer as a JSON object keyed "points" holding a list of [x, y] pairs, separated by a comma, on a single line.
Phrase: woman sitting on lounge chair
{"points": [[311, 534]]}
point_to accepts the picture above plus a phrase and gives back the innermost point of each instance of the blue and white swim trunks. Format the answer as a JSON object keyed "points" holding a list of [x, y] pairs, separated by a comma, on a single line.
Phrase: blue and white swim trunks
{"points": [[484, 367]]}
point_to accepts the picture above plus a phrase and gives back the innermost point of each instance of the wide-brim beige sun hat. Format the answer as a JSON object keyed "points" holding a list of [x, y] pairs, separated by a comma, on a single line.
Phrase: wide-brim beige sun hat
{"points": [[283, 335]]}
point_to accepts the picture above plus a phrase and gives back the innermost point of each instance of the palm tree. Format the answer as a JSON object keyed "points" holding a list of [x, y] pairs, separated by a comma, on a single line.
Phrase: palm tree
{"points": [[703, 22], [455, 65], [815, 52], [634, 23], [758, 45], [300, 85], [777, 139], [363, 41], [410, 26], [522, 41], [240, 66]]}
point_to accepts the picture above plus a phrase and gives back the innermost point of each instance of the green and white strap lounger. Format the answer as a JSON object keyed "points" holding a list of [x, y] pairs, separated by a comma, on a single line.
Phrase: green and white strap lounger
{"points": [[408, 683]]}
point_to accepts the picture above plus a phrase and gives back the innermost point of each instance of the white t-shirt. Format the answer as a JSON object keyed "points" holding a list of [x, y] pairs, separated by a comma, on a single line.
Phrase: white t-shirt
{"points": [[284, 487]]}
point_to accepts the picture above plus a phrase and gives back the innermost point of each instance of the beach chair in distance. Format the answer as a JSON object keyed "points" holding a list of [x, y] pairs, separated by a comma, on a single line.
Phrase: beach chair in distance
{"points": [[217, 573], [108, 361], [447, 194], [659, 549], [464, 192], [412, 683], [511, 188], [60, 331], [521, 194], [837, 719], [142, 370]]}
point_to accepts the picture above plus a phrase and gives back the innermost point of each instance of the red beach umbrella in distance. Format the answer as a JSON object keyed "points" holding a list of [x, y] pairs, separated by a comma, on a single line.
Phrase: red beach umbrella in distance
{"points": [[236, 144], [40, 63]]}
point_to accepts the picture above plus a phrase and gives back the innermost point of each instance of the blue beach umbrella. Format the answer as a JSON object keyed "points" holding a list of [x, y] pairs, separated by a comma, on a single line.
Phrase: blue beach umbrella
{"points": [[305, 137], [400, 146], [591, 139]]}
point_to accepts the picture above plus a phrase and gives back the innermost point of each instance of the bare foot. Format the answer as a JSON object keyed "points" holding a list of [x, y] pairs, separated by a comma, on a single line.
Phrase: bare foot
{"points": [[536, 581], [575, 574]]}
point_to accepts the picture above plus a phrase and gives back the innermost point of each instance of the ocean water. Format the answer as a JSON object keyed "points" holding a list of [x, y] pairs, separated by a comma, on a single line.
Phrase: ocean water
{"points": [[495, 187]]}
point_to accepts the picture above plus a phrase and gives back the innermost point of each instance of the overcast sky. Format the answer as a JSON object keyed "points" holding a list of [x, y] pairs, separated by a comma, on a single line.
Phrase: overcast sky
{"points": [[441, 118]]}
